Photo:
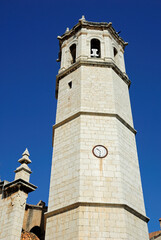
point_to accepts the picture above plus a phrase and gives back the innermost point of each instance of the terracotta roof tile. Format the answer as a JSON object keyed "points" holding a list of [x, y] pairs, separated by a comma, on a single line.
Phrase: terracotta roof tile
{"points": [[153, 234], [28, 236]]}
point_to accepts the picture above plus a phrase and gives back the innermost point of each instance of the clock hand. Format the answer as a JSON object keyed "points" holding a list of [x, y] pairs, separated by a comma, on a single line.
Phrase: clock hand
{"points": [[99, 151]]}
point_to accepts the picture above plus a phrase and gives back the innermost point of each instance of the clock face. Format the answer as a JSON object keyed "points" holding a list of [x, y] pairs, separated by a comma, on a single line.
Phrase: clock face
{"points": [[100, 151]]}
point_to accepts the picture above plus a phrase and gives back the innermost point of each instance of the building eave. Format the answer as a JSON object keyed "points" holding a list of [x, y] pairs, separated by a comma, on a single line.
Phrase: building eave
{"points": [[95, 26], [16, 185]]}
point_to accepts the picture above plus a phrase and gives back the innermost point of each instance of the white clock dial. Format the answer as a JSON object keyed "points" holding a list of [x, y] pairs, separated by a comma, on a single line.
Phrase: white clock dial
{"points": [[100, 151]]}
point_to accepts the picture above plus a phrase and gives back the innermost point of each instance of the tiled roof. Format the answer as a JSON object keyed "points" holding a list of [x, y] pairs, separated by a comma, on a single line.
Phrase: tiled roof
{"points": [[153, 234], [28, 236]]}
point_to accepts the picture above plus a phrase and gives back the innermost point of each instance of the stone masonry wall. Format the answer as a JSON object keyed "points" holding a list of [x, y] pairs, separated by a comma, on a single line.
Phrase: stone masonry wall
{"points": [[77, 175], [11, 216], [115, 178], [93, 223], [94, 89], [64, 184], [69, 100]]}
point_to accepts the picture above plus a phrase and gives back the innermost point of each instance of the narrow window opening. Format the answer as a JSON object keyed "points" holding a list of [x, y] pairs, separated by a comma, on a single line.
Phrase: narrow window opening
{"points": [[73, 53], [70, 84], [115, 51], [95, 48]]}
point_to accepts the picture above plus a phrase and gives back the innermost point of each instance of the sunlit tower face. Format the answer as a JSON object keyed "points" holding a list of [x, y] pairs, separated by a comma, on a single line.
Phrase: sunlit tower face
{"points": [[95, 188]]}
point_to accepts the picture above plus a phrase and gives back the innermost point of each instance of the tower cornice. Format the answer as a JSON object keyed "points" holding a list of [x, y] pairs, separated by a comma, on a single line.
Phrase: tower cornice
{"points": [[73, 67], [95, 204], [16, 185], [78, 114], [95, 26]]}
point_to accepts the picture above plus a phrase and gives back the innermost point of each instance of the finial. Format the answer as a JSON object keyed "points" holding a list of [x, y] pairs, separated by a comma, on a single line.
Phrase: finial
{"points": [[82, 19], [25, 157], [26, 152], [67, 30], [109, 24]]}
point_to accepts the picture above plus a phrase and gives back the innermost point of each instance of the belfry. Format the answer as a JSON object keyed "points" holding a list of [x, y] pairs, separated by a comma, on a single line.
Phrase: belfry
{"points": [[95, 188]]}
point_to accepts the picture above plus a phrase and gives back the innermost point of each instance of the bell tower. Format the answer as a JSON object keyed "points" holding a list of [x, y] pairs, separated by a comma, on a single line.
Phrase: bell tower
{"points": [[95, 188]]}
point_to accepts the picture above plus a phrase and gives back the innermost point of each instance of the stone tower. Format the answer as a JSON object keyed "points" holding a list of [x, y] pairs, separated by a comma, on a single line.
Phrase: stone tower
{"points": [[95, 188]]}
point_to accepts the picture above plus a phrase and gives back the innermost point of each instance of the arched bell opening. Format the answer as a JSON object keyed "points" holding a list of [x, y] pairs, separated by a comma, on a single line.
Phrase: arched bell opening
{"points": [[73, 52], [95, 48]]}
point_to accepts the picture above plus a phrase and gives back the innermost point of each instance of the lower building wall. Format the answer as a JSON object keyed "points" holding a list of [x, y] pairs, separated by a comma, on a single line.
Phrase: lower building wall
{"points": [[101, 223], [11, 216], [63, 226], [34, 219], [136, 228]]}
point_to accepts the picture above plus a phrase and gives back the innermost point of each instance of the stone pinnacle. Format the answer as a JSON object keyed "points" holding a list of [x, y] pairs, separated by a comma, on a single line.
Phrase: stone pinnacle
{"points": [[25, 157], [26, 152]]}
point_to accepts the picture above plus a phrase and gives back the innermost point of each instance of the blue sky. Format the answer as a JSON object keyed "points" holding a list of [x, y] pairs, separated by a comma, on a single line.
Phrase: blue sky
{"points": [[28, 53]]}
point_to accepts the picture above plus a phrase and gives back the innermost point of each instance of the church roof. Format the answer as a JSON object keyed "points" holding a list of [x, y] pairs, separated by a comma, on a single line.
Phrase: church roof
{"points": [[154, 235], [28, 236]]}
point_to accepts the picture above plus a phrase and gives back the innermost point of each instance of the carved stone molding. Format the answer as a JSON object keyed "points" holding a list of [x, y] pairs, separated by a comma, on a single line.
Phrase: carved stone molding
{"points": [[18, 199]]}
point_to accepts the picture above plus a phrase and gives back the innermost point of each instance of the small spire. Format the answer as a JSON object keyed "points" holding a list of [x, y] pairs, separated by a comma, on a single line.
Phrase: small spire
{"points": [[82, 19], [26, 152], [25, 157], [67, 30]]}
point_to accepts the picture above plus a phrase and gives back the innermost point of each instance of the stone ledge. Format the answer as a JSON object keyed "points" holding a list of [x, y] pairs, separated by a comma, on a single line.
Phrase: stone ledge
{"points": [[94, 114], [96, 63], [36, 207], [92, 204], [17, 185]]}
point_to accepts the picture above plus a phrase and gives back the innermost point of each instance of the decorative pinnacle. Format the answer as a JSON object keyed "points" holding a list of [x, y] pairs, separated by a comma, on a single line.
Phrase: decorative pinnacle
{"points": [[67, 30], [26, 152], [83, 18], [25, 157]]}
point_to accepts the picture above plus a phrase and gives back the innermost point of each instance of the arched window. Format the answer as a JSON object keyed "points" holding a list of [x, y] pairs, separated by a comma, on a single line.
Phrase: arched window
{"points": [[95, 48], [37, 231], [73, 53]]}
